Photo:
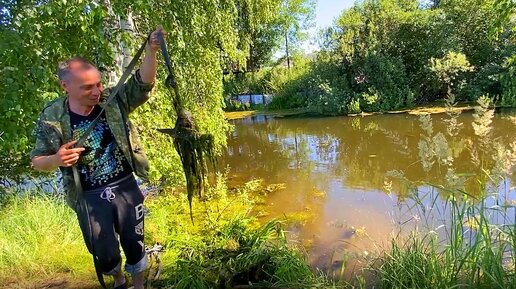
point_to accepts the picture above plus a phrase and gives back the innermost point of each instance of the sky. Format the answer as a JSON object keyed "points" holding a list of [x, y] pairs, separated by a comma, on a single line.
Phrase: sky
{"points": [[325, 13]]}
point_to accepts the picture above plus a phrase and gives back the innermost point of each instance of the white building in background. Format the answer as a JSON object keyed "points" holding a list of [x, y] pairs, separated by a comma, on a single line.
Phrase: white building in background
{"points": [[253, 99]]}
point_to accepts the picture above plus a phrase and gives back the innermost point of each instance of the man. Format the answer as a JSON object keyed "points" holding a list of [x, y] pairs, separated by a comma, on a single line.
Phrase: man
{"points": [[110, 203]]}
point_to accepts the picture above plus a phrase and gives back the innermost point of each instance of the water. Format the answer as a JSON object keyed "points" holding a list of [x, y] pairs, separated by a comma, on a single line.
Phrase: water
{"points": [[334, 170]]}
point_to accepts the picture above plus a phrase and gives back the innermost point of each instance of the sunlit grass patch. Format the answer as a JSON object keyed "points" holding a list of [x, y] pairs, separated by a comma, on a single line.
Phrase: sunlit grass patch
{"points": [[225, 246], [40, 236]]}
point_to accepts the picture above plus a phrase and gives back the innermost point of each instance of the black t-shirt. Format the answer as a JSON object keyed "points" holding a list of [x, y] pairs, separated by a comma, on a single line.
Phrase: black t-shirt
{"points": [[103, 161]]}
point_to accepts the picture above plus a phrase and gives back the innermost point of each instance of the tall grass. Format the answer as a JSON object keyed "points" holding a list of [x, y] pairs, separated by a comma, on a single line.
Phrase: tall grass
{"points": [[39, 236], [225, 247], [468, 250], [459, 239]]}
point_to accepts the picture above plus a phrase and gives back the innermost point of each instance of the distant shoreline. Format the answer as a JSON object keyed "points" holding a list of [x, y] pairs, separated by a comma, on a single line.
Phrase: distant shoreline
{"points": [[428, 109]]}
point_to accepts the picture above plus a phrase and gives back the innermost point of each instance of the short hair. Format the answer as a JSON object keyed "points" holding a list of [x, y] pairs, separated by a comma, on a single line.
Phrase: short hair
{"points": [[77, 62]]}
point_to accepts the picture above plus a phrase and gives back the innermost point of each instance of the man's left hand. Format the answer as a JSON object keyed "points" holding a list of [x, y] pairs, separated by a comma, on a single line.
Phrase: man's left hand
{"points": [[153, 42]]}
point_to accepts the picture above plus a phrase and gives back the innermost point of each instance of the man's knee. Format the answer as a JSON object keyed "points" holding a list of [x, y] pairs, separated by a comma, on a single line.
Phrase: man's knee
{"points": [[109, 265], [137, 267]]}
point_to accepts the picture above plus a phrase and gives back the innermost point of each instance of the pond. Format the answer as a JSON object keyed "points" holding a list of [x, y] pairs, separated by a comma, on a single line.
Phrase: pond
{"points": [[335, 173]]}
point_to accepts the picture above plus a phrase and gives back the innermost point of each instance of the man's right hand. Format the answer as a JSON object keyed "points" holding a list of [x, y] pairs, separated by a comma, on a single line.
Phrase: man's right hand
{"points": [[67, 155]]}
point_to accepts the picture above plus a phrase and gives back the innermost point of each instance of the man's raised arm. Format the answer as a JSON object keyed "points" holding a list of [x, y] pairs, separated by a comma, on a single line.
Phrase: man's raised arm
{"points": [[148, 68]]}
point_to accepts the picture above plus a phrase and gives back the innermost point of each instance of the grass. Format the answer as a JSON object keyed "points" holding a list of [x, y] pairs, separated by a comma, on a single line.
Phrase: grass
{"points": [[459, 239], [231, 115], [224, 247], [468, 250], [227, 248], [276, 113], [36, 230], [422, 110]]}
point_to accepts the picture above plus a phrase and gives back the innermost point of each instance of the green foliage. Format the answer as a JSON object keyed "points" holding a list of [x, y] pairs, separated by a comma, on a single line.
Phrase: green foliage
{"points": [[448, 68], [247, 83], [281, 23], [326, 100], [258, 33], [379, 83], [239, 255], [290, 86], [407, 265], [276, 80], [308, 84], [509, 83], [225, 247], [264, 44], [382, 83], [354, 106], [473, 251], [294, 17], [235, 105], [35, 36], [506, 10]]}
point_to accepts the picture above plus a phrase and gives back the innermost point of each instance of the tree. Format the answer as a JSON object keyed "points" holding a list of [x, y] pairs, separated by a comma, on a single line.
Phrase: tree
{"points": [[294, 18], [506, 24], [36, 35], [263, 44]]}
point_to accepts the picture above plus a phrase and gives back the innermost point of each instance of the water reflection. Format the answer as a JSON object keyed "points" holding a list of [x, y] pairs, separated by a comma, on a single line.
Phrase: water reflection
{"points": [[347, 160]]}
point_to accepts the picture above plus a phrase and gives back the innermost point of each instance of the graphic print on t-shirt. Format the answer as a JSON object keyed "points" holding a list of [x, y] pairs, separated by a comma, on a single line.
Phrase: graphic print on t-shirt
{"points": [[102, 161]]}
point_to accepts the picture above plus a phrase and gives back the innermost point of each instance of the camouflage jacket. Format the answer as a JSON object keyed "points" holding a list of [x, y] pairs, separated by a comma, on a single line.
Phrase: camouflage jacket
{"points": [[53, 129]]}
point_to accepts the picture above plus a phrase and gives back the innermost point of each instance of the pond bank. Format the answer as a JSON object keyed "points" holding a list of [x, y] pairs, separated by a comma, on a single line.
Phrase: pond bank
{"points": [[427, 109]]}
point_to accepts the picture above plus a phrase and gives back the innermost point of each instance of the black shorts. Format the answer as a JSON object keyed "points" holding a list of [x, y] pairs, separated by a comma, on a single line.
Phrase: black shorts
{"points": [[114, 211]]}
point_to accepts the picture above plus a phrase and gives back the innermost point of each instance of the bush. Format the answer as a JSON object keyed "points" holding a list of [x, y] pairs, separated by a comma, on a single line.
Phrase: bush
{"points": [[381, 83], [373, 83], [246, 83], [509, 83], [449, 71]]}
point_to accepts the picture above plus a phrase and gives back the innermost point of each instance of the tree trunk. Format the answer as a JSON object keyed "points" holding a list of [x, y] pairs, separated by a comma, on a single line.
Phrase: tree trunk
{"points": [[127, 25], [286, 47], [121, 51], [250, 64]]}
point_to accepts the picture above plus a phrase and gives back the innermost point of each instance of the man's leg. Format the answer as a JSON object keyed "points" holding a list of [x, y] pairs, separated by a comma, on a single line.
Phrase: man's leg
{"points": [[139, 279], [96, 222], [129, 206]]}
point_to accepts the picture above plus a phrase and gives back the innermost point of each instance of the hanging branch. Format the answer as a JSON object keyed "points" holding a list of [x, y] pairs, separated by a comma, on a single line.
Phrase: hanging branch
{"points": [[192, 146]]}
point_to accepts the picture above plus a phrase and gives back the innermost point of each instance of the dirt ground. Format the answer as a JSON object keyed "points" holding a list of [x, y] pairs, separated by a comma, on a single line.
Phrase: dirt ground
{"points": [[60, 282]]}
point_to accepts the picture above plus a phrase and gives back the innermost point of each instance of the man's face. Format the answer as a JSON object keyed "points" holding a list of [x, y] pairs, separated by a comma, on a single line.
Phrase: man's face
{"points": [[83, 86]]}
